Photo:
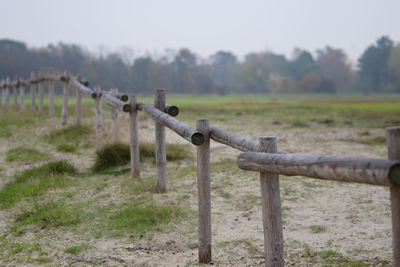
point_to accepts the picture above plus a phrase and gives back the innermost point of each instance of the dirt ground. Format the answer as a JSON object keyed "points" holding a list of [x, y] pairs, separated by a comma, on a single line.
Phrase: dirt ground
{"points": [[324, 223]]}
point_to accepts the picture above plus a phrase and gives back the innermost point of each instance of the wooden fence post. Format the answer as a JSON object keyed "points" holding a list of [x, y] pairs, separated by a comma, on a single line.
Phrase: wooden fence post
{"points": [[64, 112], [15, 93], [161, 155], [51, 98], [7, 94], [134, 142], [204, 194], [78, 107], [40, 94], [114, 118], [22, 95], [33, 93], [271, 209], [99, 120], [393, 144]]}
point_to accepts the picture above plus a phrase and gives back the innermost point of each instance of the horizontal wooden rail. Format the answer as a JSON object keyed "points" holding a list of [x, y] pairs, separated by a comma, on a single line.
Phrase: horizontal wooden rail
{"points": [[346, 169], [169, 109], [236, 141], [113, 101], [78, 85], [179, 127]]}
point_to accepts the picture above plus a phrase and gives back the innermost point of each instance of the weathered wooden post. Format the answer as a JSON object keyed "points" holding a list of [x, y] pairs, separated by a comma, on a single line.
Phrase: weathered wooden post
{"points": [[16, 82], [78, 107], [40, 94], [33, 93], [22, 94], [271, 209], [134, 136], [204, 194], [51, 98], [114, 118], [393, 144], [7, 94], [64, 112], [99, 119], [161, 155]]}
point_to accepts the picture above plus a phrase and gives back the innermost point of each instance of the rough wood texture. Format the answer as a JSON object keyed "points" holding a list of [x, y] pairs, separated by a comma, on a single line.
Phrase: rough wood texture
{"points": [[40, 96], [99, 120], [393, 144], [78, 86], [64, 112], [179, 127], [346, 169], [113, 101], [51, 98], [169, 109], [204, 193], [115, 119], [236, 141], [271, 209], [161, 152], [22, 96], [78, 107], [134, 138], [33, 93], [7, 95]]}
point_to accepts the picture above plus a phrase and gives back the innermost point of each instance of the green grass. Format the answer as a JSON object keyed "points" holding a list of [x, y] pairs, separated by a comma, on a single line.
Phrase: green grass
{"points": [[46, 215], [11, 121], [35, 181], [111, 157], [317, 229], [66, 148], [376, 141], [23, 154], [69, 136], [77, 249]]}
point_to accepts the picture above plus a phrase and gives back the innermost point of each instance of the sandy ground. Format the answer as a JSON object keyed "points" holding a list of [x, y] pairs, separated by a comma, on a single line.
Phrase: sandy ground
{"points": [[354, 218]]}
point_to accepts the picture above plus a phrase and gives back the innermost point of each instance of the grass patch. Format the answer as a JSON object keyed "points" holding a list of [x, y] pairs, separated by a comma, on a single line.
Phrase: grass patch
{"points": [[35, 181], [317, 229], [23, 154], [46, 215], [112, 156], [376, 141], [72, 135], [247, 243], [66, 148], [77, 249], [299, 124]]}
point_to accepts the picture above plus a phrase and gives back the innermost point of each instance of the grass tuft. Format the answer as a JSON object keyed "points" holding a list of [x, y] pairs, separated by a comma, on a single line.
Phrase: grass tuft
{"points": [[77, 249], [46, 215], [35, 181], [112, 156], [69, 136], [66, 148], [23, 154]]}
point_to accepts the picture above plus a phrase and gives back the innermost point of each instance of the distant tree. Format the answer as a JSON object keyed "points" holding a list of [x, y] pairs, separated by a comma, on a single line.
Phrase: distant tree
{"points": [[372, 63], [255, 74], [336, 67], [225, 71], [309, 83], [184, 67], [279, 64], [393, 70], [302, 65]]}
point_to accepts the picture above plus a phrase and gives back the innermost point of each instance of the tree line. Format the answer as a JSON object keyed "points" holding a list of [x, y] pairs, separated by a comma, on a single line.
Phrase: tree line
{"points": [[183, 71]]}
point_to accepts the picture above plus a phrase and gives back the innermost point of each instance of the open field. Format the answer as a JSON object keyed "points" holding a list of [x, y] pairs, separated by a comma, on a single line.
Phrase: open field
{"points": [[55, 209]]}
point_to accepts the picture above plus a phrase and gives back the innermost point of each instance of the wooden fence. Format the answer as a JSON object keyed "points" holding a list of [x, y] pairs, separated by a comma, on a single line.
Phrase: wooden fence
{"points": [[262, 156]]}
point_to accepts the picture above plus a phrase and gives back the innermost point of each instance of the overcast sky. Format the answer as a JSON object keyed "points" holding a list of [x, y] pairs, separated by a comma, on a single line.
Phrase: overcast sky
{"points": [[204, 26]]}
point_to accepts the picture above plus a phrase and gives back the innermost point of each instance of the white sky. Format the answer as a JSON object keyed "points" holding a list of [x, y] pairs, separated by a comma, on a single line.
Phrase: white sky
{"points": [[204, 26]]}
